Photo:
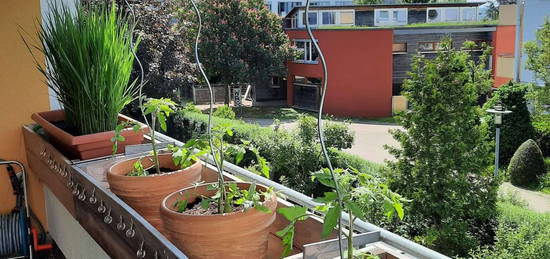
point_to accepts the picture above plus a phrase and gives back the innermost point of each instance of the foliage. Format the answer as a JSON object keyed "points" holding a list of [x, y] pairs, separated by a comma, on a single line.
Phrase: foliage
{"points": [[527, 165], [521, 233], [247, 198], [538, 61], [190, 107], [163, 51], [516, 127], [337, 135], [358, 190], [442, 155], [255, 162], [159, 109], [189, 153], [541, 123], [242, 41], [118, 133], [291, 157], [138, 169], [225, 112], [92, 88]]}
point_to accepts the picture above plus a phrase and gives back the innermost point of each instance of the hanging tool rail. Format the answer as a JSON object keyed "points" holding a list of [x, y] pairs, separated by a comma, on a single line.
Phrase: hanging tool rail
{"points": [[83, 191]]}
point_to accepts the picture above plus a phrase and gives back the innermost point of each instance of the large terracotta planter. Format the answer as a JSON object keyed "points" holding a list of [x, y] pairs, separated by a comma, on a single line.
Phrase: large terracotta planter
{"points": [[241, 234], [85, 146], [145, 193]]}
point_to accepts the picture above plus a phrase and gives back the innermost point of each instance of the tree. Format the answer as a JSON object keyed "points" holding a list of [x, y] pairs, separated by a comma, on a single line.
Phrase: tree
{"points": [[442, 161], [242, 41], [516, 127], [538, 61]]}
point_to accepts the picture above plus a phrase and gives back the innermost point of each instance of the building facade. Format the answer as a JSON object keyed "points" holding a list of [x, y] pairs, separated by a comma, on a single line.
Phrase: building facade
{"points": [[368, 62]]}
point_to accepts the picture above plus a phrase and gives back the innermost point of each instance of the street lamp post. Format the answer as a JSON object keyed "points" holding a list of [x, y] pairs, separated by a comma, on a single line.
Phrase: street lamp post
{"points": [[499, 111]]}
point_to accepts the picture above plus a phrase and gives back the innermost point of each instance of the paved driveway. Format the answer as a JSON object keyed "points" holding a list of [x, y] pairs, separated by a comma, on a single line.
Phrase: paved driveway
{"points": [[370, 138]]}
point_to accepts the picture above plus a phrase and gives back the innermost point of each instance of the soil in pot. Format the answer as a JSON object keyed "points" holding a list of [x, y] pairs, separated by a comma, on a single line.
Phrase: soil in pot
{"points": [[202, 233], [145, 193]]}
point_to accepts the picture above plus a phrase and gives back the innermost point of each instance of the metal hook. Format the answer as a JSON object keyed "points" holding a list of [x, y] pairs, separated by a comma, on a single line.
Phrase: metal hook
{"points": [[75, 190], [131, 232], [141, 252], [82, 195], [101, 208], [120, 225], [93, 199], [108, 219], [70, 183]]}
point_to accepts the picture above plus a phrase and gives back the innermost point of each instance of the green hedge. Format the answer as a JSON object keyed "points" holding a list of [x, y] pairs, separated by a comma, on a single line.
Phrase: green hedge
{"points": [[292, 154], [521, 233]]}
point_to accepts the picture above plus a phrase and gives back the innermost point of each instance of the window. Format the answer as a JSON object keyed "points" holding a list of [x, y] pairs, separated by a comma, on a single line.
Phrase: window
{"points": [[383, 16], [434, 15], [395, 16], [306, 51], [428, 46], [344, 2], [312, 18], [347, 17], [469, 13], [285, 7], [451, 14], [320, 3], [329, 17], [399, 48]]}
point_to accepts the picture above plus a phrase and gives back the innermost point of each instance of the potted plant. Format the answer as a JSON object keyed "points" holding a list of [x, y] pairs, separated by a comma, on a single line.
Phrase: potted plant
{"points": [[355, 193], [144, 181], [223, 219], [89, 57]]}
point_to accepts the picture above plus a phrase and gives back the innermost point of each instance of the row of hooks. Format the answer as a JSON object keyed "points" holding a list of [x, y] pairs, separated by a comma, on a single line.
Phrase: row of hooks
{"points": [[80, 193]]}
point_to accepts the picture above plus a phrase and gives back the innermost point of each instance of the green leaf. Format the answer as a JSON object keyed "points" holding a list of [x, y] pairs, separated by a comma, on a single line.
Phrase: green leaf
{"points": [[182, 206], [292, 213], [330, 221], [355, 209], [120, 138], [239, 157], [329, 196], [205, 203], [262, 208]]}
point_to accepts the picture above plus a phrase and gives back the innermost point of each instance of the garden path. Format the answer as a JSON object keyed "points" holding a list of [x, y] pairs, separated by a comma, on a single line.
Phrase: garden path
{"points": [[536, 201]]}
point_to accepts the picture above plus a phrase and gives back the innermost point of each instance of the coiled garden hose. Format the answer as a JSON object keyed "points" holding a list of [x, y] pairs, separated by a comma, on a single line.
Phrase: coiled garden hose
{"points": [[13, 235]]}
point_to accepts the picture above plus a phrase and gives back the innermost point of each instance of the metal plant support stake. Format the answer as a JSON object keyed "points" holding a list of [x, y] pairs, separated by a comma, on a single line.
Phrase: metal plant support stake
{"points": [[209, 129], [499, 111], [320, 127]]}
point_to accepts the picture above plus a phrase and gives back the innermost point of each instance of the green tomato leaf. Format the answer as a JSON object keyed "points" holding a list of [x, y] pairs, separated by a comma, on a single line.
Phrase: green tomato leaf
{"points": [[330, 221], [355, 209], [292, 213]]}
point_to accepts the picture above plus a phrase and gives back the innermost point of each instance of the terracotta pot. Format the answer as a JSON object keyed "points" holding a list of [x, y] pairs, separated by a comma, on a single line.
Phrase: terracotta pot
{"points": [[241, 234], [145, 193], [85, 146]]}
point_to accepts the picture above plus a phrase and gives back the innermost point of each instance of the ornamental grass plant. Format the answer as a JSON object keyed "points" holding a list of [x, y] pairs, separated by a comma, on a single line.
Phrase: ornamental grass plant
{"points": [[89, 57]]}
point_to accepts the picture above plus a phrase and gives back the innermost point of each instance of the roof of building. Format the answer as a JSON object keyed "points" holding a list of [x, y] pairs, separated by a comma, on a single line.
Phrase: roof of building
{"points": [[377, 6]]}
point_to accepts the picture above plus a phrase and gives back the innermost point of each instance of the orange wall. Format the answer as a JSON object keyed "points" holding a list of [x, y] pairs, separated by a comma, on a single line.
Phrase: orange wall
{"points": [[504, 46], [22, 93], [360, 71]]}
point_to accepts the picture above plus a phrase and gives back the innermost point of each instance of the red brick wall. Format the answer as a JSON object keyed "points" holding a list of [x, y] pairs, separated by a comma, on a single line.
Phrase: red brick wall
{"points": [[360, 71]]}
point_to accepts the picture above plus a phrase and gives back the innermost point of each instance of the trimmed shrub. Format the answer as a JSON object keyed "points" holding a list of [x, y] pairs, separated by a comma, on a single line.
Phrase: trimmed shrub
{"points": [[527, 165], [516, 127], [541, 124], [339, 135], [225, 112]]}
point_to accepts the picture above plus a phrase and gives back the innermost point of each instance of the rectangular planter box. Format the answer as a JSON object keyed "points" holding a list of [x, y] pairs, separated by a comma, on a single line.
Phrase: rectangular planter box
{"points": [[85, 146]]}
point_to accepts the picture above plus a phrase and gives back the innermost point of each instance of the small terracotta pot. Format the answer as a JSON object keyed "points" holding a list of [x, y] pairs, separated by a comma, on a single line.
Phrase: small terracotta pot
{"points": [[86, 146], [145, 193], [241, 234]]}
